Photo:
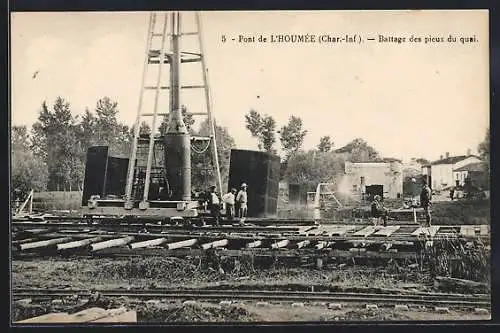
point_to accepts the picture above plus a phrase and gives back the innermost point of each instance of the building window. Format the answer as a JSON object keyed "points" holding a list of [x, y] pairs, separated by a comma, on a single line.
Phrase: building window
{"points": [[354, 187]]}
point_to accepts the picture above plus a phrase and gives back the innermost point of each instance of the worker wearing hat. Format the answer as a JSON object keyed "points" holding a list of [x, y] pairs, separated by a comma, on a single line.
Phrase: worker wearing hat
{"points": [[242, 200], [214, 202]]}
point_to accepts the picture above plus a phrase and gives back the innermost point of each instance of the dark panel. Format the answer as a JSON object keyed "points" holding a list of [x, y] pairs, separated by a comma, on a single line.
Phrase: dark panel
{"points": [[273, 178], [95, 172], [261, 172], [116, 176], [293, 193], [297, 194]]}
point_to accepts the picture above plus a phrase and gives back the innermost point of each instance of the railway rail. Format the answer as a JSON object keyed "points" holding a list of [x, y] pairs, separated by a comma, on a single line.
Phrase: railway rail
{"points": [[345, 298]]}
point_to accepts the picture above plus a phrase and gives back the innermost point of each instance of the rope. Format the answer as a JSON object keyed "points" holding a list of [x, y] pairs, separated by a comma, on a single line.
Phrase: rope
{"points": [[201, 151]]}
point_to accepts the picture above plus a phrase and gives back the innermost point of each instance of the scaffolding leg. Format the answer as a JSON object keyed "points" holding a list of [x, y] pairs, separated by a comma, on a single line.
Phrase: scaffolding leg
{"points": [[209, 105]]}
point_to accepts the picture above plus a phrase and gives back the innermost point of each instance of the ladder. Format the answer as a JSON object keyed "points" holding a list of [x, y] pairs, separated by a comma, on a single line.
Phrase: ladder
{"points": [[28, 202], [158, 31]]}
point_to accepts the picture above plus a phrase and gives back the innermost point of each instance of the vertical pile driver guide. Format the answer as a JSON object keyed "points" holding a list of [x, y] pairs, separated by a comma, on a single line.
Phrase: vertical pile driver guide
{"points": [[150, 188]]}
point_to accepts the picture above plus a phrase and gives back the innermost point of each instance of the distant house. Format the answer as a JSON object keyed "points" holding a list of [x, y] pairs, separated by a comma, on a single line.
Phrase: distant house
{"points": [[475, 171], [383, 178], [442, 170]]}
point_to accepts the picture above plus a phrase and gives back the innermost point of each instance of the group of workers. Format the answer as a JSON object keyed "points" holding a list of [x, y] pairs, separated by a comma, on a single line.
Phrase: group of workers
{"points": [[234, 201], [379, 212], [231, 202]]}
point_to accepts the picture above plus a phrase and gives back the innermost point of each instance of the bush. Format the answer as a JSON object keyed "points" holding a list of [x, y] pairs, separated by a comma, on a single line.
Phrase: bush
{"points": [[57, 200]]}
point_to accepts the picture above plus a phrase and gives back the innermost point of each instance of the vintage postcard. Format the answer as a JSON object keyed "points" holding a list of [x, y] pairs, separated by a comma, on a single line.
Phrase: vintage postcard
{"points": [[249, 166]]}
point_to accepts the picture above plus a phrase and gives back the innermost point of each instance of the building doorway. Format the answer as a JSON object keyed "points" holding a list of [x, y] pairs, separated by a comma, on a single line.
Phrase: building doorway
{"points": [[373, 190]]}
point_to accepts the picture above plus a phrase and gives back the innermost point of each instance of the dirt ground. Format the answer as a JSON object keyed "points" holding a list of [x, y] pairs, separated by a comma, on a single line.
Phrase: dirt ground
{"points": [[176, 312], [167, 272]]}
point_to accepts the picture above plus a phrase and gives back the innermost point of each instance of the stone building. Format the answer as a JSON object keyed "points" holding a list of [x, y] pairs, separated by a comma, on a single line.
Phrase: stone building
{"points": [[368, 179]]}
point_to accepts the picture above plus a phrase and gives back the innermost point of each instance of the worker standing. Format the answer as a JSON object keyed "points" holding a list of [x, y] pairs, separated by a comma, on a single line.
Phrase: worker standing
{"points": [[242, 200], [214, 204], [425, 202], [378, 211], [229, 201]]}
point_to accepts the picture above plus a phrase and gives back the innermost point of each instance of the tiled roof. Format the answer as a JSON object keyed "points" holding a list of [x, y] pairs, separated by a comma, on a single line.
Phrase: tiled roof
{"points": [[477, 166], [452, 159]]}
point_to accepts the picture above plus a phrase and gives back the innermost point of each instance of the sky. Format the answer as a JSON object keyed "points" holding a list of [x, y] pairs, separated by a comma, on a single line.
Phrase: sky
{"points": [[405, 99]]}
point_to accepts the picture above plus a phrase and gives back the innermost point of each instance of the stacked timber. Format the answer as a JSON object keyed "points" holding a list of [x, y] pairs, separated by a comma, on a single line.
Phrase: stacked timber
{"points": [[92, 315]]}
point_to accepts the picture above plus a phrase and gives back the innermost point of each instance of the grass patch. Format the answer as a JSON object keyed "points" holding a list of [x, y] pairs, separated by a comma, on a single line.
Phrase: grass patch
{"points": [[462, 212], [455, 258], [57, 200]]}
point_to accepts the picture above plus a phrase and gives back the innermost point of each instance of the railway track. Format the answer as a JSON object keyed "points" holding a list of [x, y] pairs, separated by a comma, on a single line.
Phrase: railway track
{"points": [[76, 238], [343, 298]]}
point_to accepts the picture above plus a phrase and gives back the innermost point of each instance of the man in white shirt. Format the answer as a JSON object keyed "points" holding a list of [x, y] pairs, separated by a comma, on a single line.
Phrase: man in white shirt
{"points": [[229, 201], [214, 204], [242, 200]]}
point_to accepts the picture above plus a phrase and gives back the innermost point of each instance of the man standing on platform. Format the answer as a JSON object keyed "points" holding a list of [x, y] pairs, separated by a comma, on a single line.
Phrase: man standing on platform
{"points": [[229, 200], [425, 202], [379, 211], [214, 204], [242, 200]]}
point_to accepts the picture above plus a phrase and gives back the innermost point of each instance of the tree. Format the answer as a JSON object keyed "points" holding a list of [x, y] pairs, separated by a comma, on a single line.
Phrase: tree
{"points": [[292, 136], [20, 138], [484, 150], [108, 131], [56, 134], [422, 161], [106, 121], [144, 129], [87, 130], [39, 130], [186, 116], [359, 151], [325, 144], [311, 168], [411, 172], [27, 170], [263, 128], [124, 138], [484, 147]]}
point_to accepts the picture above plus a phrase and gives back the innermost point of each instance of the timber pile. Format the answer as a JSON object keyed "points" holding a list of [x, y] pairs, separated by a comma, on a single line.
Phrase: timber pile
{"points": [[92, 315], [460, 285]]}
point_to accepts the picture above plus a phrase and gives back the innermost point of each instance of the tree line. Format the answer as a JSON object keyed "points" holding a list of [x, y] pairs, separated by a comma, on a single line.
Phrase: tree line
{"points": [[52, 155], [306, 167], [322, 163]]}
